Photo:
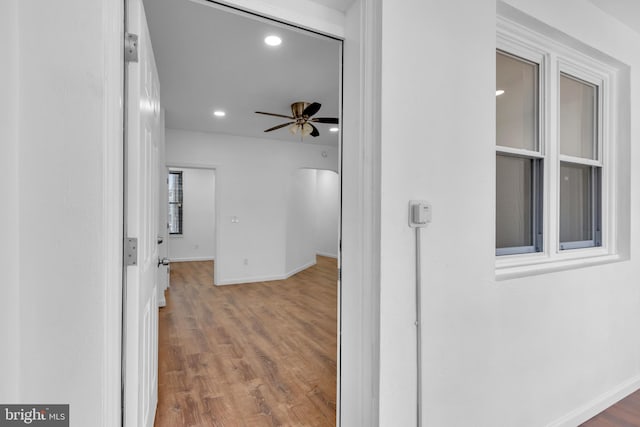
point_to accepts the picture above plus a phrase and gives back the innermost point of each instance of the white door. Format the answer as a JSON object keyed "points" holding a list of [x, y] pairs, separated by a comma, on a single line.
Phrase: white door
{"points": [[141, 217]]}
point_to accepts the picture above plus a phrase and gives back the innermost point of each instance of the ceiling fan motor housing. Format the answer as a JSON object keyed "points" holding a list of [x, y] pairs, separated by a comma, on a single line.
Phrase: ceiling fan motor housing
{"points": [[301, 113], [297, 108]]}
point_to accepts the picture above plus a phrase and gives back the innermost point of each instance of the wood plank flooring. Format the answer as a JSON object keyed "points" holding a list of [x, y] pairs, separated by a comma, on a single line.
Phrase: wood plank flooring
{"points": [[625, 413], [261, 354]]}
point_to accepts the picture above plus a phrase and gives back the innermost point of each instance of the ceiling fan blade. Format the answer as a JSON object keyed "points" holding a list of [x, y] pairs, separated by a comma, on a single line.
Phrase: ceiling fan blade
{"points": [[279, 126], [311, 109], [333, 120], [315, 132], [276, 115]]}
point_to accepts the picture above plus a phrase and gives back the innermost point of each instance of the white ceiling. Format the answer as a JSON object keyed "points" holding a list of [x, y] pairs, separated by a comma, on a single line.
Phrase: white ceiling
{"points": [[209, 59], [341, 5], [625, 11]]}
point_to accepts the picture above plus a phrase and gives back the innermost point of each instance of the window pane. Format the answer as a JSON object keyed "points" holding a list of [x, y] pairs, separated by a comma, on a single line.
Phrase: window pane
{"points": [[517, 106], [577, 204], [175, 187], [514, 207], [175, 218], [577, 118], [175, 202]]}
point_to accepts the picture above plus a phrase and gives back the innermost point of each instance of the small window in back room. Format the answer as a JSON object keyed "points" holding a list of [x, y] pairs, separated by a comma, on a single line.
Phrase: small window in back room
{"points": [[175, 202]]}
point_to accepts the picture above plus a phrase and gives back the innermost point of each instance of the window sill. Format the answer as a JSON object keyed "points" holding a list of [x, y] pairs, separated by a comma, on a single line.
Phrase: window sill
{"points": [[513, 267]]}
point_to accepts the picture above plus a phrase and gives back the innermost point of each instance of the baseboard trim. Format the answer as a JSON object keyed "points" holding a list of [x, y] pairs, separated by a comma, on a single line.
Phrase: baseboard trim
{"points": [[299, 269], [254, 279], [597, 405], [204, 258], [328, 255]]}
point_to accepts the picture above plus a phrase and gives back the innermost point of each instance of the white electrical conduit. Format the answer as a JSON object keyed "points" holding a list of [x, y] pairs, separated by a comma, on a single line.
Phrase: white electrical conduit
{"points": [[418, 328], [419, 217]]}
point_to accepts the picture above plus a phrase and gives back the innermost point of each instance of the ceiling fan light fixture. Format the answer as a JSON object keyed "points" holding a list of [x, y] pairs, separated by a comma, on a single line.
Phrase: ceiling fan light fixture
{"points": [[272, 40], [301, 119]]}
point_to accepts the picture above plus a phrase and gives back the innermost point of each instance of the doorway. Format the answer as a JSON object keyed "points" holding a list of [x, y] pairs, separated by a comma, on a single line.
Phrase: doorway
{"points": [[192, 214], [205, 142]]}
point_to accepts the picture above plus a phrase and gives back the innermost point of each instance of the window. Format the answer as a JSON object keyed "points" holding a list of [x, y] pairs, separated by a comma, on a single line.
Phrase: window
{"points": [[175, 202], [580, 170], [519, 158], [554, 156]]}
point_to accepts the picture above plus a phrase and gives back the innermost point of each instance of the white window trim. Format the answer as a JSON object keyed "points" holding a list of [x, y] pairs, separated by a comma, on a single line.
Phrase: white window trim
{"points": [[554, 58]]}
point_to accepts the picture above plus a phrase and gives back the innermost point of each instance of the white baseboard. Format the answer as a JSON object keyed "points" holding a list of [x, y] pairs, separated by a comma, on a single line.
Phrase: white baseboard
{"points": [[254, 279], [328, 255], [597, 405], [204, 258], [299, 269]]}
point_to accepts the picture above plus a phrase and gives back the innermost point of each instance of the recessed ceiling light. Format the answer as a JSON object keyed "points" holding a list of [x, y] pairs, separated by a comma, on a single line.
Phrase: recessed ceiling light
{"points": [[219, 113], [499, 92], [273, 40], [334, 129]]}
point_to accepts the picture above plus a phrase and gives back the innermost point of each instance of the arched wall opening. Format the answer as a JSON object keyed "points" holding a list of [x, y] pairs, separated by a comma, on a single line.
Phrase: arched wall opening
{"points": [[313, 211]]}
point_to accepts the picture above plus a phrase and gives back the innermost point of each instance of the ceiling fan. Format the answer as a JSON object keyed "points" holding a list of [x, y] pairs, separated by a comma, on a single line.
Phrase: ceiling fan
{"points": [[301, 113]]}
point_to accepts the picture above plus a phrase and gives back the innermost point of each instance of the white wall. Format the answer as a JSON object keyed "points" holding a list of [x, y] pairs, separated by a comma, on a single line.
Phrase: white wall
{"points": [[327, 213], [525, 352], [67, 119], [301, 218], [313, 211], [9, 214], [197, 242], [252, 182]]}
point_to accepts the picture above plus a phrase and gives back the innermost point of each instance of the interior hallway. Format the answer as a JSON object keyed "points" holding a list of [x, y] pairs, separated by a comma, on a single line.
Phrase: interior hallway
{"points": [[248, 355]]}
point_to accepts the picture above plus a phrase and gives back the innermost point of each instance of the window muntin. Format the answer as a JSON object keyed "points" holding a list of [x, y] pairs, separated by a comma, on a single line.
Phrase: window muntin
{"points": [[175, 194], [519, 159]]}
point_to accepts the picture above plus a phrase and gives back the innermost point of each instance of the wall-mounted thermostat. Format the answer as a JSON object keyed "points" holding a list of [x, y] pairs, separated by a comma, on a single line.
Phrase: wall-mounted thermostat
{"points": [[419, 213]]}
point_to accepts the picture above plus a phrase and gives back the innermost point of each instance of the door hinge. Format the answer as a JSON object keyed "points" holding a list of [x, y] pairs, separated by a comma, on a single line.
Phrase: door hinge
{"points": [[131, 251], [130, 47]]}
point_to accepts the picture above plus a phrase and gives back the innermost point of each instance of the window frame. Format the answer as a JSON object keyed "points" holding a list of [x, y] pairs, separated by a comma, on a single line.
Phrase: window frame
{"points": [[584, 75], [553, 59], [179, 203], [520, 52]]}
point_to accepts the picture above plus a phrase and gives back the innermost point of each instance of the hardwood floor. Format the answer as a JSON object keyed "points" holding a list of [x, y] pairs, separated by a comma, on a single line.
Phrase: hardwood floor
{"points": [[260, 354], [625, 413]]}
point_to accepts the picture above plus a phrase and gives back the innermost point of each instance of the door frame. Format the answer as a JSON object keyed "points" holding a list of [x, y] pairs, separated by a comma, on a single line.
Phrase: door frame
{"points": [[360, 30]]}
